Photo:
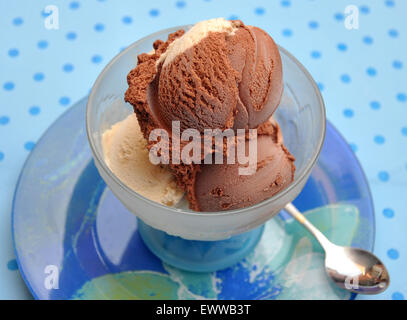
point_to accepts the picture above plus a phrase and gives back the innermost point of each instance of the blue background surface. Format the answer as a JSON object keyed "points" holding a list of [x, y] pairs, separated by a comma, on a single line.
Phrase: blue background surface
{"points": [[362, 74]]}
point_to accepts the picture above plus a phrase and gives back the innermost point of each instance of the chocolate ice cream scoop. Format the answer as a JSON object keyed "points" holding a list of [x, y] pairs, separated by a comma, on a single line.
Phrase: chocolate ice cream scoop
{"points": [[219, 187], [220, 74]]}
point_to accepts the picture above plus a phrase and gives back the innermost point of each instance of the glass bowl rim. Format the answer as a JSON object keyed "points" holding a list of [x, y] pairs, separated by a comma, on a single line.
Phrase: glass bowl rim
{"points": [[101, 163]]}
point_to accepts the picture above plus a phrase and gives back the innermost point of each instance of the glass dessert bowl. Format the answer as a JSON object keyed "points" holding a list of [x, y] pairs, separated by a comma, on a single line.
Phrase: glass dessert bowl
{"points": [[206, 241]]}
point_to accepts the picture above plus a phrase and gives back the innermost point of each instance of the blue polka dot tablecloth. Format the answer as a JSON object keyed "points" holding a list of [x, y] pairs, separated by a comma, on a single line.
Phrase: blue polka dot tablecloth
{"points": [[362, 74]]}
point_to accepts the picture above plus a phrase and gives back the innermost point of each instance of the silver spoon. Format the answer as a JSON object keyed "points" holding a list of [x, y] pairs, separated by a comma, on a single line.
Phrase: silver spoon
{"points": [[352, 269]]}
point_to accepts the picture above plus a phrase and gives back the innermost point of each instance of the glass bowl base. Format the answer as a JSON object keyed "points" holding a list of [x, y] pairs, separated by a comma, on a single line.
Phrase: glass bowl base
{"points": [[199, 256]]}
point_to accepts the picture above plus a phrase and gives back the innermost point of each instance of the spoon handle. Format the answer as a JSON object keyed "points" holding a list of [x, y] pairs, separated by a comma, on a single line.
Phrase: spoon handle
{"points": [[293, 211]]}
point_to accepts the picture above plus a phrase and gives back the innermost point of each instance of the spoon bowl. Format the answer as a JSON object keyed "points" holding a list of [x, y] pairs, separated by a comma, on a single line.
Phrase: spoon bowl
{"points": [[356, 270]]}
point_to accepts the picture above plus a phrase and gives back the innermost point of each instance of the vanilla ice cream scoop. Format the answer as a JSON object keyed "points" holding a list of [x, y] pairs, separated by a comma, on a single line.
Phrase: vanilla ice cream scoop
{"points": [[126, 154]]}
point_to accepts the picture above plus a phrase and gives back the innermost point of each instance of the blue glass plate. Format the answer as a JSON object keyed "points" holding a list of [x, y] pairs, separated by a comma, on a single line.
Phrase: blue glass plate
{"points": [[74, 240]]}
